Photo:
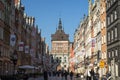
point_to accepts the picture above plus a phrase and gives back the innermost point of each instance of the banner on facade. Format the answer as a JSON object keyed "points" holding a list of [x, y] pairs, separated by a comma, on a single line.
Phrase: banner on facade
{"points": [[21, 46], [32, 52], [26, 49], [12, 39]]}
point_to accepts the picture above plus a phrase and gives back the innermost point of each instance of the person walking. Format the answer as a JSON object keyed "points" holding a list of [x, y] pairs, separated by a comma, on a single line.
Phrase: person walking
{"points": [[71, 75], [45, 75], [88, 75], [62, 74], [65, 75], [92, 74]]}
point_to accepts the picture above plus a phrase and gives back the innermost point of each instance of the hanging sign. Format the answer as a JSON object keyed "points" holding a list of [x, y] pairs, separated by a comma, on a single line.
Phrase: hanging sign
{"points": [[21, 46], [26, 49], [12, 39]]}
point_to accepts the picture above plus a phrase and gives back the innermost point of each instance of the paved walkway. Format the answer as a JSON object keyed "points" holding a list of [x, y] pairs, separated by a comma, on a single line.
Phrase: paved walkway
{"points": [[55, 78]]}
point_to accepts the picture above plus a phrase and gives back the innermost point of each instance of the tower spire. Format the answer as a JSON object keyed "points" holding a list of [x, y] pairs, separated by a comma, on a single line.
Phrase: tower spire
{"points": [[60, 24]]}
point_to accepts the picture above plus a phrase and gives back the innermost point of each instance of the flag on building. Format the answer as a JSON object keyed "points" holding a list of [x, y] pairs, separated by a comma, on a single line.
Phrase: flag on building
{"points": [[21, 46], [32, 53], [27, 49], [12, 39]]}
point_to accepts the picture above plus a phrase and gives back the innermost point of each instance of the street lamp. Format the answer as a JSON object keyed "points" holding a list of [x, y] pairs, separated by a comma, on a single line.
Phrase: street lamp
{"points": [[0, 53], [14, 59]]}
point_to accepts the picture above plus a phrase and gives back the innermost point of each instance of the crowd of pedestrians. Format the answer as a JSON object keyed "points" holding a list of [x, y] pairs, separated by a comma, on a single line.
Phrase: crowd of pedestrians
{"points": [[91, 75], [62, 74]]}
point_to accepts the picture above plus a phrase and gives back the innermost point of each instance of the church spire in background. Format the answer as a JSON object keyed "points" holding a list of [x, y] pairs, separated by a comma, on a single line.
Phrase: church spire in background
{"points": [[60, 24]]}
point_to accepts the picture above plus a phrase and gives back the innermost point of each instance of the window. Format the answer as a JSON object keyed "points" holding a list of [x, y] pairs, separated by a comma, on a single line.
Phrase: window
{"points": [[1, 33], [112, 34], [65, 60], [114, 0], [1, 15], [116, 34], [116, 52], [115, 14], [108, 20], [108, 4], [64, 57], [60, 58], [109, 54], [116, 71], [112, 53], [108, 36], [111, 18], [111, 2]]}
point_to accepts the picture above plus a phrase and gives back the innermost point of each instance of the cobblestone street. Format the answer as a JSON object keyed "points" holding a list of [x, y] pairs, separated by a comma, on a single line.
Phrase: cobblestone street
{"points": [[55, 78]]}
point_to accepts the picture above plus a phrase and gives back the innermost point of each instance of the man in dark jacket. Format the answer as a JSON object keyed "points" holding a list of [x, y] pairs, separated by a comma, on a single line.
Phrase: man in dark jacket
{"points": [[45, 75], [92, 74], [65, 75], [71, 75]]}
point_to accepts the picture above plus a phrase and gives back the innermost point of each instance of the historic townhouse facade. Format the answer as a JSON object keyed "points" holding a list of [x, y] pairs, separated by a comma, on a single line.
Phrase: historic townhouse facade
{"points": [[76, 46], [60, 47], [95, 35], [79, 46], [86, 58], [113, 36], [7, 17], [88, 34], [17, 34], [71, 57], [94, 42], [103, 69]]}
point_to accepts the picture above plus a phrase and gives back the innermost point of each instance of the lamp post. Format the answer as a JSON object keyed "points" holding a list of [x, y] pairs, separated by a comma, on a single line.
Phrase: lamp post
{"points": [[0, 53], [0, 63], [14, 59]]}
